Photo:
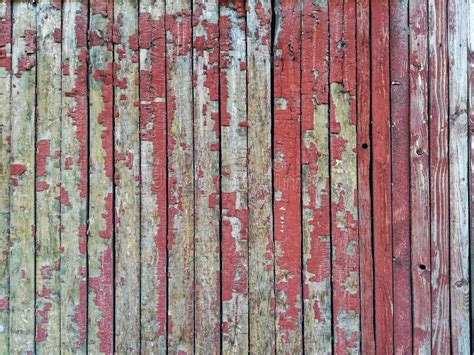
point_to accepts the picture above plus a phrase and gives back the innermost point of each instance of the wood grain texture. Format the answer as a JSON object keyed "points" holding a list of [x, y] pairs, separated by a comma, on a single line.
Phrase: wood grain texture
{"points": [[22, 179], [153, 176], [48, 176], [315, 178], [343, 170], [287, 175], [400, 114], [261, 243], [127, 177], [470, 79], [206, 175], [234, 185], [458, 176], [419, 177], [74, 178], [5, 139], [100, 337], [439, 194], [364, 148], [179, 64]]}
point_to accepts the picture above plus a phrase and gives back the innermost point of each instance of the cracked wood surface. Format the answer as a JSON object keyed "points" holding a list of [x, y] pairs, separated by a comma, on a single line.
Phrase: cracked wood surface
{"points": [[230, 176]]}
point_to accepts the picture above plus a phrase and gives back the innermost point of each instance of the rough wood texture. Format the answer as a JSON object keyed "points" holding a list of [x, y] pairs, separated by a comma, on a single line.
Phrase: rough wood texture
{"points": [[419, 177], [343, 172], [74, 178], [22, 180], [48, 176], [470, 78], [234, 186], [5, 139], [458, 176], [261, 243], [101, 201], [153, 176], [180, 177], [315, 178], [400, 113]]}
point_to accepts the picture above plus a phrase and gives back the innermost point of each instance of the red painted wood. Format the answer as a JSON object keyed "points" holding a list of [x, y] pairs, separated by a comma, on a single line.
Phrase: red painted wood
{"points": [[364, 147], [287, 179], [400, 113]]}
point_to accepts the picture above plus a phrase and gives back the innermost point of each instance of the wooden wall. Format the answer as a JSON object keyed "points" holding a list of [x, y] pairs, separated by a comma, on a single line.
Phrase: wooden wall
{"points": [[236, 176]]}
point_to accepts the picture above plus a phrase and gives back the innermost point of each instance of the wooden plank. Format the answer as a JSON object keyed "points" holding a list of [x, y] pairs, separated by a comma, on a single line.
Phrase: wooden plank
{"points": [[458, 176], [470, 78], [233, 108], [127, 177], [153, 176], [5, 129], [419, 176], [100, 336], [364, 147], [381, 177], [206, 175], [315, 178], [287, 183], [439, 132], [400, 113], [261, 245], [22, 179], [48, 176], [74, 178], [180, 177], [343, 172]]}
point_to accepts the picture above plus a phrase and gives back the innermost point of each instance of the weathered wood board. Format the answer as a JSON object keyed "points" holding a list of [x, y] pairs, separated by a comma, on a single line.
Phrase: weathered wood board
{"points": [[236, 176]]}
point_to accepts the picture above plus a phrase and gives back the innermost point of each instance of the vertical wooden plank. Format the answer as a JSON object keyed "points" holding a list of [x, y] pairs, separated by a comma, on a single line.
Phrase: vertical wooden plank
{"points": [[343, 172], [470, 78], [287, 183], [400, 112], [261, 246], [180, 177], [439, 131], [315, 178], [419, 176], [5, 138], [153, 176], [233, 106], [48, 174], [381, 176], [458, 179], [22, 179], [127, 177], [206, 175], [74, 178], [364, 147], [100, 243]]}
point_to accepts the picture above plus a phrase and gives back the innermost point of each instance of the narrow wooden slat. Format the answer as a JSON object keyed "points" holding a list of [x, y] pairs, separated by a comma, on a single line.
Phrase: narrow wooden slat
{"points": [[470, 78], [419, 176], [153, 176], [381, 176], [206, 175], [315, 178], [100, 242], [180, 177], [287, 183], [364, 147], [343, 172], [74, 178], [439, 131], [458, 176], [400, 111], [233, 106], [127, 177], [261, 246], [48, 176], [5, 129], [22, 179]]}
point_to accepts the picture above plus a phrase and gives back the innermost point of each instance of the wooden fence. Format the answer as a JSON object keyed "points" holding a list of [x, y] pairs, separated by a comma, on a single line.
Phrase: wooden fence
{"points": [[235, 176]]}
